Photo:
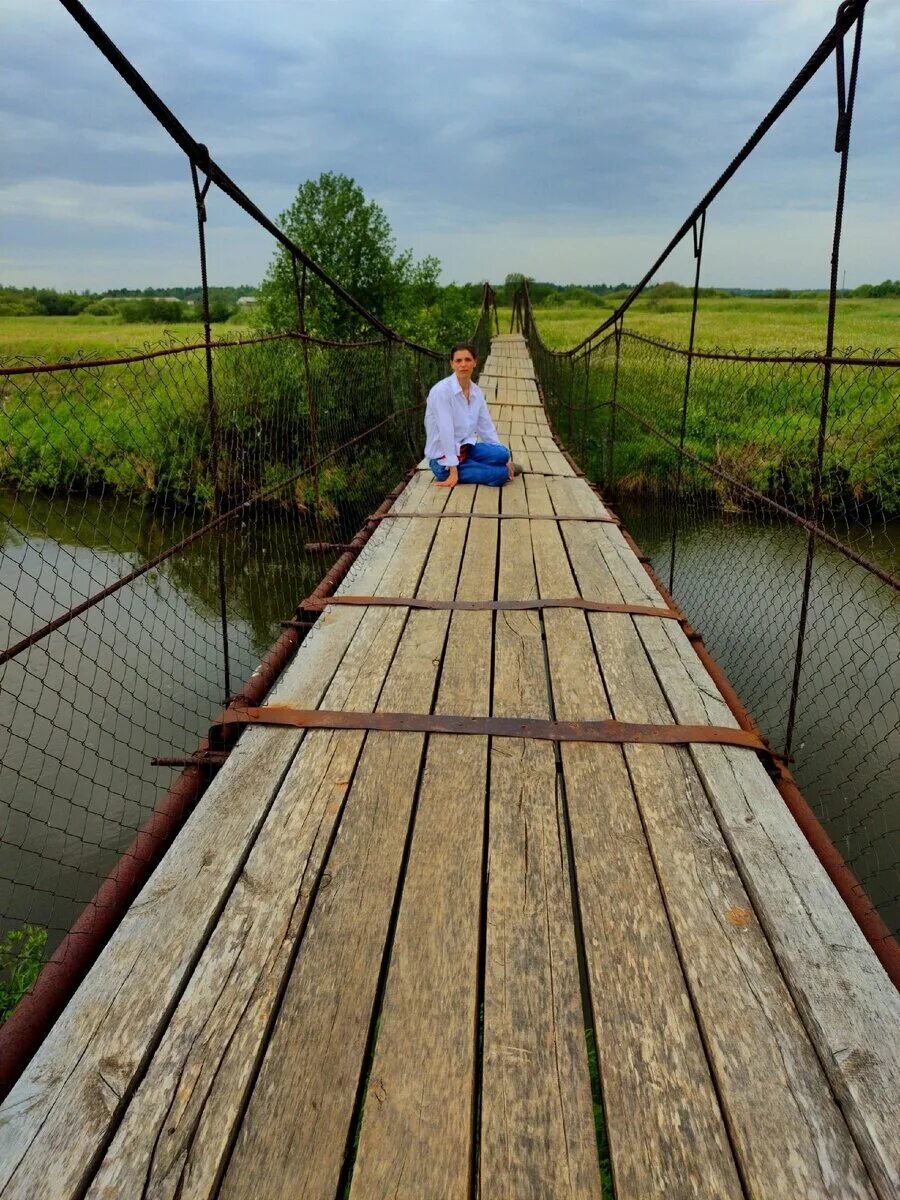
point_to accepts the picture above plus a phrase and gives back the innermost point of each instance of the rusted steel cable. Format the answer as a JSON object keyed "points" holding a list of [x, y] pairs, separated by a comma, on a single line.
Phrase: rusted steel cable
{"points": [[31, 1020], [211, 526], [783, 510], [168, 351], [819, 360], [847, 14], [199, 156]]}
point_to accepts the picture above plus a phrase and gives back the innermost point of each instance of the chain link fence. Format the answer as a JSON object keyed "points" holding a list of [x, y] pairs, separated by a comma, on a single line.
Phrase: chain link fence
{"points": [[782, 550], [149, 556]]}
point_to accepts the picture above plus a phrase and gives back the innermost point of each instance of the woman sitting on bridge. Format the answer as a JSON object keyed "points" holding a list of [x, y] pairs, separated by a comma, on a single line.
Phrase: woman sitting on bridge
{"points": [[455, 414]]}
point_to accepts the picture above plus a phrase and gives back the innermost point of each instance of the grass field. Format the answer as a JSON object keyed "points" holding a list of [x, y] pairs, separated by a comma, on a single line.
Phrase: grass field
{"points": [[738, 323], [757, 422], [56, 338], [143, 429]]}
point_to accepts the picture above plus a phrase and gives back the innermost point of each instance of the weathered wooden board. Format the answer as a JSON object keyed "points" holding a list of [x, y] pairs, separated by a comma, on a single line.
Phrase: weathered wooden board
{"points": [[667, 1137], [848, 1004], [537, 1135], [416, 1137], [299, 1115], [849, 1007], [787, 1132], [72, 1094], [179, 1126]]}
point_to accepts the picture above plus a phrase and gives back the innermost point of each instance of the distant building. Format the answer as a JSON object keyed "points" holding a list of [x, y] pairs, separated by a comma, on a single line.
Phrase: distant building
{"points": [[246, 301]]}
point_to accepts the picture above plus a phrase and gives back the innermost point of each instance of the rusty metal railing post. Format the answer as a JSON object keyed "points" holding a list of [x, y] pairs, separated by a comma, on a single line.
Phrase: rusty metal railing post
{"points": [[312, 425], [212, 411], [697, 231], [611, 428], [570, 390], [842, 147], [585, 400]]}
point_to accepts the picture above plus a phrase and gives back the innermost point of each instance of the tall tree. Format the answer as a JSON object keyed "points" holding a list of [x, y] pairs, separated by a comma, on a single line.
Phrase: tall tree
{"points": [[351, 238]]}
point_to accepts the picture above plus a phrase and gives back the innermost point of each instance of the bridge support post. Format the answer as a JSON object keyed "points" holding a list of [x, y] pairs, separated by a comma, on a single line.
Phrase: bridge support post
{"points": [[611, 428], [212, 410], [842, 147], [585, 399], [312, 424], [697, 230]]}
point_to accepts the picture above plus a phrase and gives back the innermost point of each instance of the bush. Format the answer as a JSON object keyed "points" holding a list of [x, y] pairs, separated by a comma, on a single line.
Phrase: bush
{"points": [[21, 959], [152, 311]]}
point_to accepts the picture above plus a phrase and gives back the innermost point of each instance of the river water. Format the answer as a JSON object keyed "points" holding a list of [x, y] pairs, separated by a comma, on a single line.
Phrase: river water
{"points": [[739, 579], [82, 713]]}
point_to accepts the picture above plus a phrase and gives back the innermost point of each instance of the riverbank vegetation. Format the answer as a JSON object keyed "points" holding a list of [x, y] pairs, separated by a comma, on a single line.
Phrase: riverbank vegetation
{"points": [[758, 422], [143, 430], [21, 960]]}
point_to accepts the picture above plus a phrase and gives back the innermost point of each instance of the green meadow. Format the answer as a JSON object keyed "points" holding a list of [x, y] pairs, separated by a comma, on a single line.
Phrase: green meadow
{"points": [[737, 323], [56, 338], [757, 422], [142, 430]]}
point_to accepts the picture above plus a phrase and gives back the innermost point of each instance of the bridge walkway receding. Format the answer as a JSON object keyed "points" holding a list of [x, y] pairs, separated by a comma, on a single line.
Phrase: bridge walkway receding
{"points": [[377, 963]]}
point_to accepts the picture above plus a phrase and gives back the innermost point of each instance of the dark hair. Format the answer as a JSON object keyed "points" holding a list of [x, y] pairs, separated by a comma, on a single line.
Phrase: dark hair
{"points": [[463, 346]]}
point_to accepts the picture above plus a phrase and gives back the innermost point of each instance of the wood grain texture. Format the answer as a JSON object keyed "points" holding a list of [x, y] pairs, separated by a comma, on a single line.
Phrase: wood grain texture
{"points": [[416, 1137], [178, 1128], [295, 1132], [537, 1136], [72, 1094], [666, 1133], [848, 1005], [788, 1134]]}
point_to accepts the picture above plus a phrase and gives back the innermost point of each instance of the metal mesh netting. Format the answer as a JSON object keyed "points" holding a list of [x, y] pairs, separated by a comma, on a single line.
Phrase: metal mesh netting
{"points": [[162, 515], [107, 468], [724, 511]]}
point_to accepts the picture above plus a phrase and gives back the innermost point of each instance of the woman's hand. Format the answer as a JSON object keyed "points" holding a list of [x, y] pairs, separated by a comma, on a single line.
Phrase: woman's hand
{"points": [[452, 479]]}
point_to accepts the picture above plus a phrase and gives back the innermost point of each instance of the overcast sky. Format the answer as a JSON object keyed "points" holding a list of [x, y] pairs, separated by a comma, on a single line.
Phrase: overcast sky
{"points": [[564, 138]]}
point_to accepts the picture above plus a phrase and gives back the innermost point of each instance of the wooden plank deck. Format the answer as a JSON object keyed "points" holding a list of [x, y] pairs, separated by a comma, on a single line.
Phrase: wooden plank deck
{"points": [[368, 964]]}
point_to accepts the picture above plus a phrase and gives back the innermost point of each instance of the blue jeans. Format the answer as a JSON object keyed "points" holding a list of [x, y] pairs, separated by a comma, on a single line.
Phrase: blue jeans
{"points": [[484, 464]]}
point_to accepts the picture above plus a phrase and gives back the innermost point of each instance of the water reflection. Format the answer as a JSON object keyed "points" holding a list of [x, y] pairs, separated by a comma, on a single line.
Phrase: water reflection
{"points": [[141, 674], [739, 578]]}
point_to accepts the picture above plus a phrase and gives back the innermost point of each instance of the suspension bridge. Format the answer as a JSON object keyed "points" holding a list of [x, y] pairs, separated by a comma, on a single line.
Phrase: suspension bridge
{"points": [[486, 882]]}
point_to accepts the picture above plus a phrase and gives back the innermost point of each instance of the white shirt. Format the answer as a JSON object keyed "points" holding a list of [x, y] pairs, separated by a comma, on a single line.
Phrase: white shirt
{"points": [[451, 421]]}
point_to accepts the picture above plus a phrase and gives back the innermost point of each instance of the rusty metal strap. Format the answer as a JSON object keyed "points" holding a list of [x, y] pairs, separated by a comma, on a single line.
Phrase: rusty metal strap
{"points": [[615, 732], [465, 516], [317, 603]]}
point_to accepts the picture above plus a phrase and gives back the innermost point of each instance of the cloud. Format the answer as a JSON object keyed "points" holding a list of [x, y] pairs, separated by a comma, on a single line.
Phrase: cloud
{"points": [[542, 123], [105, 206]]}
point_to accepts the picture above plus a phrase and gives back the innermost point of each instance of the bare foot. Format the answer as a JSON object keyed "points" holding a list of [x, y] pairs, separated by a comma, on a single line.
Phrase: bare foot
{"points": [[509, 467]]}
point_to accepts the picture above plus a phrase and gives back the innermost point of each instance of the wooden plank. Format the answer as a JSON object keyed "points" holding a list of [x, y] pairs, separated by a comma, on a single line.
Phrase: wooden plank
{"points": [[669, 1139], [537, 1136], [557, 463], [72, 1093], [789, 1136], [417, 1124], [178, 1128], [849, 1006], [295, 1131]]}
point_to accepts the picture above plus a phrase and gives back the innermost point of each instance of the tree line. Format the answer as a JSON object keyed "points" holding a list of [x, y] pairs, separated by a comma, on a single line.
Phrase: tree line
{"points": [[351, 237]]}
